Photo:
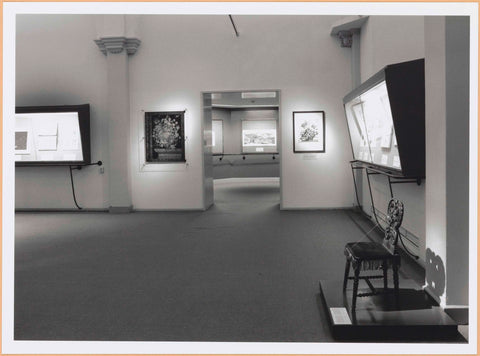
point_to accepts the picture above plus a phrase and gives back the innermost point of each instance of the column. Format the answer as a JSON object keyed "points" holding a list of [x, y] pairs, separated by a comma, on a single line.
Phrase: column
{"points": [[117, 48], [447, 158]]}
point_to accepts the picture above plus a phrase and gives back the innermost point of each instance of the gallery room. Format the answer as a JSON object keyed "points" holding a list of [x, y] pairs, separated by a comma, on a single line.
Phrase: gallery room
{"points": [[229, 176]]}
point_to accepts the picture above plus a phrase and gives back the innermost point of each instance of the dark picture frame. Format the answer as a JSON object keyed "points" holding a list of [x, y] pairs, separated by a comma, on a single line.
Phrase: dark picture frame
{"points": [[165, 137], [309, 131]]}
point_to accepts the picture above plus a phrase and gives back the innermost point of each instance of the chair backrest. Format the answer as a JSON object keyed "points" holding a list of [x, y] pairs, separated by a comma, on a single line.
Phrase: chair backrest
{"points": [[394, 220]]}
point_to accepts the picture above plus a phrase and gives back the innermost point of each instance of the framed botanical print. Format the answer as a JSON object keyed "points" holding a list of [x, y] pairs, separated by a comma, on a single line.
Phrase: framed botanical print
{"points": [[308, 131], [164, 137]]}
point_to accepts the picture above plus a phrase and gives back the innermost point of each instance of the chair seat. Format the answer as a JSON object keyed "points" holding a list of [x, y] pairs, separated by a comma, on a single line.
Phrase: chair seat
{"points": [[362, 251]]}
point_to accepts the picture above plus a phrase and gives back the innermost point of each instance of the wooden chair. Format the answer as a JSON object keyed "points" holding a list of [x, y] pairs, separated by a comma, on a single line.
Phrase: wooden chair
{"points": [[375, 256]]}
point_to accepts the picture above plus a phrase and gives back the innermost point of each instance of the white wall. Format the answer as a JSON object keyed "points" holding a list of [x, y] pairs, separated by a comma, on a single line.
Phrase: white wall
{"points": [[181, 56], [387, 40], [457, 92], [57, 63], [390, 39]]}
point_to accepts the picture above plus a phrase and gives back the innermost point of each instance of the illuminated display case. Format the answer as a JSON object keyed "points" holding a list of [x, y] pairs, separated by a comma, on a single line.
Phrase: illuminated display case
{"points": [[386, 119], [52, 135]]}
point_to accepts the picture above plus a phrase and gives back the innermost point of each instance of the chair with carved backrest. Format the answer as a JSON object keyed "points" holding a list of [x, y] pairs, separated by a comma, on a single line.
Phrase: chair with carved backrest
{"points": [[375, 256]]}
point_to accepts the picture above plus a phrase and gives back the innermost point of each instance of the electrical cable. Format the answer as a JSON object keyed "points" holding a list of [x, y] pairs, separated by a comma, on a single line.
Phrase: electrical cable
{"points": [[73, 189], [99, 163]]}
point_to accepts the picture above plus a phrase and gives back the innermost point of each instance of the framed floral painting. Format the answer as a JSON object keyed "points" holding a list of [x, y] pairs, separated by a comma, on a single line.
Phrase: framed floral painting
{"points": [[164, 137], [308, 131]]}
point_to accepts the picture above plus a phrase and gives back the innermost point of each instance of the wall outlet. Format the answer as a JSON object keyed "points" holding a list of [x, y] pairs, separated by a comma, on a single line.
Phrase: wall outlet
{"points": [[101, 170]]}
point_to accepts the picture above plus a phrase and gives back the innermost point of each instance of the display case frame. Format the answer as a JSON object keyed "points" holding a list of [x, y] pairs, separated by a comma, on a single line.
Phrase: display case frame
{"points": [[405, 83], [84, 126]]}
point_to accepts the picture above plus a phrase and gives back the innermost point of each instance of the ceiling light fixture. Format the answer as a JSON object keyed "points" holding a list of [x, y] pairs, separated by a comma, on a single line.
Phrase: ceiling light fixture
{"points": [[259, 94]]}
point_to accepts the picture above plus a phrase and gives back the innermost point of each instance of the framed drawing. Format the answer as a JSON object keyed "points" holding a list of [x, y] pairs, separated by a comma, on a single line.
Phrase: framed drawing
{"points": [[21, 143], [217, 136], [259, 136], [164, 137], [308, 131]]}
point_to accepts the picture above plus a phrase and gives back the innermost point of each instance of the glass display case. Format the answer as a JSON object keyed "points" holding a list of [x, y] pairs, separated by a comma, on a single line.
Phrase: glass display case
{"points": [[52, 135], [386, 119]]}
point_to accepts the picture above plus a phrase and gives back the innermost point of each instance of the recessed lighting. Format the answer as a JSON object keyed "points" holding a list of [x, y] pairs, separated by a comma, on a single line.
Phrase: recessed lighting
{"points": [[259, 94]]}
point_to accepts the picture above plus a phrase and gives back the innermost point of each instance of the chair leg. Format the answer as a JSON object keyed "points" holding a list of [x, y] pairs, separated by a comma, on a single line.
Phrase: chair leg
{"points": [[395, 277], [345, 278], [385, 274], [355, 287]]}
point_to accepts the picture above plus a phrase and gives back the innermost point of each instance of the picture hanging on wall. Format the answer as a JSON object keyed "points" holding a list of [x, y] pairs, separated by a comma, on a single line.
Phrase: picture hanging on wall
{"points": [[308, 131], [259, 136], [164, 137], [21, 143]]}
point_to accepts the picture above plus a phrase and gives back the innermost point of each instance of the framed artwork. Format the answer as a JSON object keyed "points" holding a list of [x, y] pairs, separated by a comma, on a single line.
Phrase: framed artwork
{"points": [[164, 137], [308, 131], [21, 143], [259, 136], [217, 136]]}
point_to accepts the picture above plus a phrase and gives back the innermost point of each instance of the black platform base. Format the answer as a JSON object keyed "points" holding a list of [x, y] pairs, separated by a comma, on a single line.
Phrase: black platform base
{"points": [[413, 316]]}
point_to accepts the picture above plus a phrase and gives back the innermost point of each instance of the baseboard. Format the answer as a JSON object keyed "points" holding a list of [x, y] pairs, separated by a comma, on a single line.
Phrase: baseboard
{"points": [[459, 313], [313, 208], [60, 210], [257, 180], [120, 209], [169, 210]]}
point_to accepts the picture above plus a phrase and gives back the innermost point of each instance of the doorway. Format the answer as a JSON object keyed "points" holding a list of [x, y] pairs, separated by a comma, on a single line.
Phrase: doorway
{"points": [[242, 146]]}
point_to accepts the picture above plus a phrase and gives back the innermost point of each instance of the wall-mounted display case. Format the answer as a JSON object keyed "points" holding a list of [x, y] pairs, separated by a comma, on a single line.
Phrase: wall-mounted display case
{"points": [[52, 135], [386, 119]]}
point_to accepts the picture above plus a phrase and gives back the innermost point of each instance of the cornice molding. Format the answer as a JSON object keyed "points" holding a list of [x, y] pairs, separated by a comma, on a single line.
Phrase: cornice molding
{"points": [[118, 44]]}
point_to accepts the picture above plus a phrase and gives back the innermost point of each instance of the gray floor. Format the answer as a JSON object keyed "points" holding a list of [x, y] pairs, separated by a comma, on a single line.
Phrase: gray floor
{"points": [[242, 271]]}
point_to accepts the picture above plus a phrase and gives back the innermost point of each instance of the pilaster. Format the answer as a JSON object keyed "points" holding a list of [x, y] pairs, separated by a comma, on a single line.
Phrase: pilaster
{"points": [[117, 49]]}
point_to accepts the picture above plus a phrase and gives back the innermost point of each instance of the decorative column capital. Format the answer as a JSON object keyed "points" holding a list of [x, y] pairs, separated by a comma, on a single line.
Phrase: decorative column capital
{"points": [[117, 44], [345, 38], [345, 28], [131, 45]]}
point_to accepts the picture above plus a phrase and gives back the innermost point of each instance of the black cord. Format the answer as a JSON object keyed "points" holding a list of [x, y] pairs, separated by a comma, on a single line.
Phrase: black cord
{"points": [[73, 189], [405, 247]]}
